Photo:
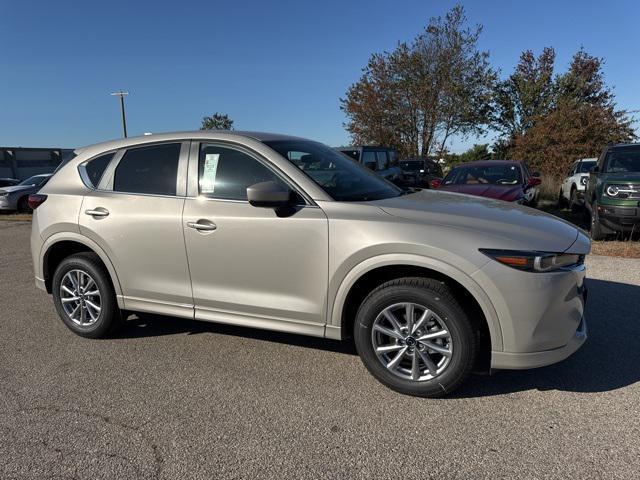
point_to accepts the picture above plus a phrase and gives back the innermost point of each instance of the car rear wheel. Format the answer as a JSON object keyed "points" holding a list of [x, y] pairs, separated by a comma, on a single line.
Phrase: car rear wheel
{"points": [[413, 336], [84, 297]]}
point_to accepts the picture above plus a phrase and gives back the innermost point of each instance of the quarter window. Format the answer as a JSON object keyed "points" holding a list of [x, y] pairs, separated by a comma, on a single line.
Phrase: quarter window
{"points": [[225, 173], [96, 167], [151, 170]]}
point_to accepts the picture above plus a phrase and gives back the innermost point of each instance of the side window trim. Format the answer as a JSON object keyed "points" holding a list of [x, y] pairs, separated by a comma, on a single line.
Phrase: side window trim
{"points": [[193, 190], [106, 183]]}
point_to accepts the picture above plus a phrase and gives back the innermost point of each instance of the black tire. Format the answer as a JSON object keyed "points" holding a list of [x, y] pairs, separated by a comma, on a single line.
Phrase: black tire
{"points": [[23, 205], [574, 206], [436, 297], [597, 230], [109, 320]]}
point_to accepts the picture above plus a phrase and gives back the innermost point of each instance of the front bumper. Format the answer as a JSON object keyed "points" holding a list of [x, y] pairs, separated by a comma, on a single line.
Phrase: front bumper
{"points": [[522, 361], [619, 218]]}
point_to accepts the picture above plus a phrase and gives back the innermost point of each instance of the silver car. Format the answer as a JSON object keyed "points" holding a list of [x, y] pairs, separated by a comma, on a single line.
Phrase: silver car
{"points": [[282, 233], [16, 197]]}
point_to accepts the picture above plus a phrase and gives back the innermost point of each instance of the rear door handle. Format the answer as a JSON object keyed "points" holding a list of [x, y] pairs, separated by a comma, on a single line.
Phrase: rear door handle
{"points": [[203, 225], [97, 212]]}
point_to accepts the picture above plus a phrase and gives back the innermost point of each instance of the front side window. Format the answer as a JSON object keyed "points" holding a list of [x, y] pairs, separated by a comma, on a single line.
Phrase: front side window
{"points": [[226, 173], [96, 167], [343, 179], [149, 170]]}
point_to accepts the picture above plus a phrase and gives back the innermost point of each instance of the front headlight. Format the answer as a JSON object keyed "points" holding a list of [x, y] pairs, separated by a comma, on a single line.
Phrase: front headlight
{"points": [[583, 180], [621, 191], [4, 194], [534, 261]]}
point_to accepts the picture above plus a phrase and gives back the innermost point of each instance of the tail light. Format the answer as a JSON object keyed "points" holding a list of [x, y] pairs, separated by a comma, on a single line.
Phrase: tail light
{"points": [[35, 200], [435, 183]]}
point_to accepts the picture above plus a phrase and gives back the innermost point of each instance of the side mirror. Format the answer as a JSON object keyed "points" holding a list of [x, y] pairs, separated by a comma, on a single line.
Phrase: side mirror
{"points": [[534, 182], [268, 195]]}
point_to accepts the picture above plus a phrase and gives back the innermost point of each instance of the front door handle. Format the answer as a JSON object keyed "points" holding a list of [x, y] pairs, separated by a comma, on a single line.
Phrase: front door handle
{"points": [[97, 212], [203, 225]]}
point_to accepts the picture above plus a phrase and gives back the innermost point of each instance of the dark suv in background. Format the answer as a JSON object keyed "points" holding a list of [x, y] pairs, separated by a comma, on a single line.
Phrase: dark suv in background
{"points": [[420, 172], [612, 196], [382, 160]]}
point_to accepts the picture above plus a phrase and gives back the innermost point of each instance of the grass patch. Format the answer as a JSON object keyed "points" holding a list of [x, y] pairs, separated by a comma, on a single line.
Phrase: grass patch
{"points": [[17, 217]]}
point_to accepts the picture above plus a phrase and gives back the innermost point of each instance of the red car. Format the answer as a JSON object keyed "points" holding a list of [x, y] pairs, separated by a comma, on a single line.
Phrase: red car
{"points": [[500, 179]]}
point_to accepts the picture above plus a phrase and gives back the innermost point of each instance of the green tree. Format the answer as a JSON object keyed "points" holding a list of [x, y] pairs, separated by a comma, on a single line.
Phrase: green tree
{"points": [[217, 121], [420, 94], [528, 93]]}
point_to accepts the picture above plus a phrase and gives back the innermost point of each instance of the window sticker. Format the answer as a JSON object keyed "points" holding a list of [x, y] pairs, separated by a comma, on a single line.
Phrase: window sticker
{"points": [[208, 180]]}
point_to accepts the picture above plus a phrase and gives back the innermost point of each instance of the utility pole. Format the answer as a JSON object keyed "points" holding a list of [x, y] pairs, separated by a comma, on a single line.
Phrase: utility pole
{"points": [[121, 94]]}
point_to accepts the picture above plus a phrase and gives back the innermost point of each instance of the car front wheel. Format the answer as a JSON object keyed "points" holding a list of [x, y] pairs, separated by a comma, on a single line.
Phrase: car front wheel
{"points": [[597, 230], [413, 336]]}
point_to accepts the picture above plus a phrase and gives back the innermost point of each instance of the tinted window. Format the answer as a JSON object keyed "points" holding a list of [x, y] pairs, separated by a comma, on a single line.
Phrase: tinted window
{"points": [[148, 170], [625, 159], [355, 154], [226, 173], [383, 161], [338, 175], [369, 159], [96, 167], [585, 167]]}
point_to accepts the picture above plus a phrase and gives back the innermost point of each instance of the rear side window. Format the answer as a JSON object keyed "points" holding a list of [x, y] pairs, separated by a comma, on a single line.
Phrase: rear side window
{"points": [[96, 167], [383, 162], [226, 173], [151, 170]]}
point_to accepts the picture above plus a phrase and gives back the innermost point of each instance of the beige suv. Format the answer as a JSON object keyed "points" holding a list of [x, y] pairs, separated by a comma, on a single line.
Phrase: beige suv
{"points": [[282, 233]]}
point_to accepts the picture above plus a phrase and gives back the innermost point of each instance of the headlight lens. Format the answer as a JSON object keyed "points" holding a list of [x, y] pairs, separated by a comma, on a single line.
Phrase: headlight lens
{"points": [[621, 191], [534, 261], [583, 180], [4, 194]]}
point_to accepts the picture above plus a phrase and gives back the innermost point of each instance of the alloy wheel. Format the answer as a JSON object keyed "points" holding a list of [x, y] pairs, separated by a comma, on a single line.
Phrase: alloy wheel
{"points": [[80, 297], [412, 341]]}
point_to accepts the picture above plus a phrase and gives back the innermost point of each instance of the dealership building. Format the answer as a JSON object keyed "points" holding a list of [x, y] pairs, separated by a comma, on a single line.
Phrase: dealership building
{"points": [[21, 162]]}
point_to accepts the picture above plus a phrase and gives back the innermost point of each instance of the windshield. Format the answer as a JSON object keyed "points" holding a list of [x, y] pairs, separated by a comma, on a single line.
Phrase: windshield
{"points": [[488, 174], [342, 178], [35, 180], [584, 167], [623, 160]]}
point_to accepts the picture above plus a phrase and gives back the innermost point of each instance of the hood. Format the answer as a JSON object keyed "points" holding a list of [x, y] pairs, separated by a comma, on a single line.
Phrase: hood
{"points": [[520, 227], [510, 193], [622, 177]]}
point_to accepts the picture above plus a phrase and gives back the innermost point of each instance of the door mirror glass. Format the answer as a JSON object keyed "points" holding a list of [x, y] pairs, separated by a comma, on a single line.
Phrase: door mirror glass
{"points": [[268, 195]]}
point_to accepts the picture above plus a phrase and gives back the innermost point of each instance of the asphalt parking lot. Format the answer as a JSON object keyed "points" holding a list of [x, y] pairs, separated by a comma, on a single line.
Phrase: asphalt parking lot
{"points": [[171, 398]]}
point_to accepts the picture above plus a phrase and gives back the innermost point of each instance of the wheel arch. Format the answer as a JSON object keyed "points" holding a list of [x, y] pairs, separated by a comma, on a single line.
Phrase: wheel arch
{"points": [[375, 271], [58, 247]]}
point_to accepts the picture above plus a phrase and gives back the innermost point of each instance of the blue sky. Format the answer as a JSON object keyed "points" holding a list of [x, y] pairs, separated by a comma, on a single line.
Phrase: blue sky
{"points": [[273, 66]]}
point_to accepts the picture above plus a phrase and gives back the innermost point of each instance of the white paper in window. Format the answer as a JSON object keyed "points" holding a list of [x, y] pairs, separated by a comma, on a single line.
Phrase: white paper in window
{"points": [[208, 180]]}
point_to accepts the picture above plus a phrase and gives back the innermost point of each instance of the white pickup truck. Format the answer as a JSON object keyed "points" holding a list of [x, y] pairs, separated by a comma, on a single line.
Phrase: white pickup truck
{"points": [[573, 186]]}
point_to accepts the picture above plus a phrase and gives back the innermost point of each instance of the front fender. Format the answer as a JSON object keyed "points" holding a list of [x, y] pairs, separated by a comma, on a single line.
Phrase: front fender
{"points": [[337, 301]]}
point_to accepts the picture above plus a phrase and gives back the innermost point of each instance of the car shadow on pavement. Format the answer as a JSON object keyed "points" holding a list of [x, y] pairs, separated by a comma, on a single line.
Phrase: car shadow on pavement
{"points": [[609, 359], [151, 325]]}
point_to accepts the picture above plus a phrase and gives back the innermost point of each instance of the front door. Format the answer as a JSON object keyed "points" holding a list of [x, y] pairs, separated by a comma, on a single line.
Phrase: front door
{"points": [[253, 266]]}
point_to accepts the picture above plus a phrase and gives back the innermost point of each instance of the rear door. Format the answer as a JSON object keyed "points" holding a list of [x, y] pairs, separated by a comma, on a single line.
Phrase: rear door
{"points": [[135, 215]]}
